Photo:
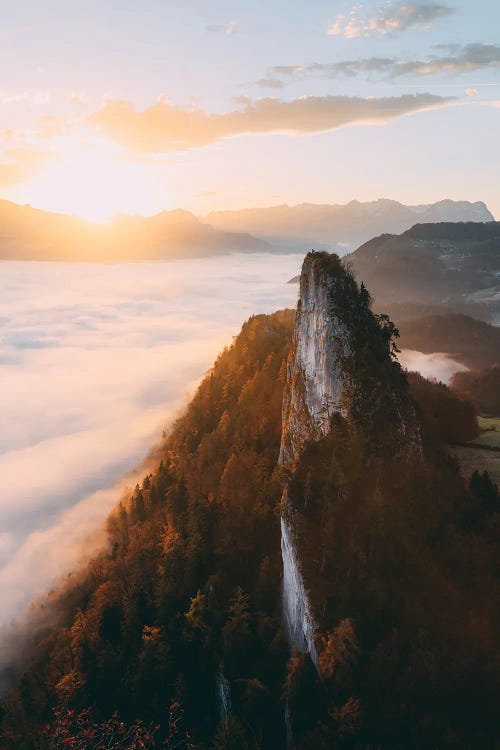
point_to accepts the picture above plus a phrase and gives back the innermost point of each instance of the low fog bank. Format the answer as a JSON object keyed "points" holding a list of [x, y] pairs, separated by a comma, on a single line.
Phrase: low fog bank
{"points": [[94, 362], [436, 365]]}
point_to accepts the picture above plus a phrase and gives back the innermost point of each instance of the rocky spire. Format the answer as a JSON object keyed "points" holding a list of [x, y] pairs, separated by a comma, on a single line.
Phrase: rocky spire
{"points": [[341, 361]]}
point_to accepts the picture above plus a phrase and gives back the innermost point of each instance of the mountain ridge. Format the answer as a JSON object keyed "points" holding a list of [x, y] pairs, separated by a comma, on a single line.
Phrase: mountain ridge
{"points": [[342, 226], [28, 233], [453, 264]]}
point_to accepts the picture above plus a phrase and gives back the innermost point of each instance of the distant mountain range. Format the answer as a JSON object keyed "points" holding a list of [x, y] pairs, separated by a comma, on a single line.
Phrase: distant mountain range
{"points": [[342, 227], [27, 233]]}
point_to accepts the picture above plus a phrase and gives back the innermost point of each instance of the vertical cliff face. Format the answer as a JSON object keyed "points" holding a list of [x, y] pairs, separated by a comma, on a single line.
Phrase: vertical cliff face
{"points": [[340, 362], [314, 383], [297, 613], [313, 392], [223, 696]]}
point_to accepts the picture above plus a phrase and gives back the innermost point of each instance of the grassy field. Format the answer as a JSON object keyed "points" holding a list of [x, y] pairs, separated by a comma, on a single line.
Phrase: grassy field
{"points": [[472, 457], [480, 459], [489, 432]]}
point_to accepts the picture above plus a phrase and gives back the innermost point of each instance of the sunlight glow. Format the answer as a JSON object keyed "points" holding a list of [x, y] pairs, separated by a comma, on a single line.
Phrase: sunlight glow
{"points": [[91, 179]]}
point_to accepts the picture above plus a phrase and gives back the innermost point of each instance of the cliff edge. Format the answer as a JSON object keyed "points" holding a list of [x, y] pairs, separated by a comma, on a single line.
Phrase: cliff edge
{"points": [[341, 366]]}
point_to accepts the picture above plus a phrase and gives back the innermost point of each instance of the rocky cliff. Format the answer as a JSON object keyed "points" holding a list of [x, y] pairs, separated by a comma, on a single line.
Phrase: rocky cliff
{"points": [[314, 379], [341, 363], [313, 390]]}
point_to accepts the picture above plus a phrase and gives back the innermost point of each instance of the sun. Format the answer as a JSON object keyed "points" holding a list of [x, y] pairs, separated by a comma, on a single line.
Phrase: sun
{"points": [[92, 179]]}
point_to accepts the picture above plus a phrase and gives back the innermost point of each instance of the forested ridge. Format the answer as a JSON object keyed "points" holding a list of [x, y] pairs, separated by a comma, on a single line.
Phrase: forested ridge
{"points": [[182, 611]]}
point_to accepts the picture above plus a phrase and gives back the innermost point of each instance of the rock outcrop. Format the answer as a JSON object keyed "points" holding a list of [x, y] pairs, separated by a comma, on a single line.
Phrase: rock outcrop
{"points": [[340, 363], [313, 390], [314, 379]]}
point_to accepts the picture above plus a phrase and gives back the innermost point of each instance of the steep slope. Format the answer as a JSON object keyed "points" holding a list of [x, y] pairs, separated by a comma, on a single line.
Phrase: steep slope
{"points": [[30, 234], [342, 226], [482, 387]]}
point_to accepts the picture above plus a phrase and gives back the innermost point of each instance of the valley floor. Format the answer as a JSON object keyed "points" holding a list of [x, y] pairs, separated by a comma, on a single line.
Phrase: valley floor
{"points": [[482, 454]]}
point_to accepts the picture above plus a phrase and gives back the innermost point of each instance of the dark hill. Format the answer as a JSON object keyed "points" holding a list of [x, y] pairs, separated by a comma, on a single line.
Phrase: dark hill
{"points": [[468, 231], [455, 266], [472, 342]]}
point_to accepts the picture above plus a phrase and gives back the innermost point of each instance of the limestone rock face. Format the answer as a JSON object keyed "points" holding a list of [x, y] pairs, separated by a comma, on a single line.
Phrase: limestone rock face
{"points": [[314, 384], [223, 696], [297, 614], [339, 354], [312, 392]]}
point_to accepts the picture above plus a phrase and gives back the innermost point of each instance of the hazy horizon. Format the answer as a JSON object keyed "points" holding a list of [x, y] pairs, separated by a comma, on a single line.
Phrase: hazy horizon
{"points": [[205, 216]]}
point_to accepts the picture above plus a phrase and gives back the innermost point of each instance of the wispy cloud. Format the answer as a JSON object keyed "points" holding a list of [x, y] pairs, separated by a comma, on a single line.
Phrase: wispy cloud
{"points": [[166, 127], [22, 164], [462, 60], [228, 29], [76, 99], [51, 126], [389, 20], [30, 96], [465, 59], [270, 83]]}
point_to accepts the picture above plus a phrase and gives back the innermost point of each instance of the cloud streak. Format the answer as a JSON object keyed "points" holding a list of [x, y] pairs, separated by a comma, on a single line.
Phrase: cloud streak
{"points": [[270, 83], [166, 127], [469, 58], [228, 29], [389, 20]]}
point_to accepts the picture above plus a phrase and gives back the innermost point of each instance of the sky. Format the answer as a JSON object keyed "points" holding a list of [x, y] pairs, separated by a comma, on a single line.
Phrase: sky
{"points": [[138, 107]]}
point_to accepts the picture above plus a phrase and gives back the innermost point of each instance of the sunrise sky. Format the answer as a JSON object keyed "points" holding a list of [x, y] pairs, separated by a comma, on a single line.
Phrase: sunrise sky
{"points": [[138, 107]]}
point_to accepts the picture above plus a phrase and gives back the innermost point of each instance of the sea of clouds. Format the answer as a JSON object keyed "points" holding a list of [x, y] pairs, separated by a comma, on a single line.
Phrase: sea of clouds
{"points": [[95, 361]]}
